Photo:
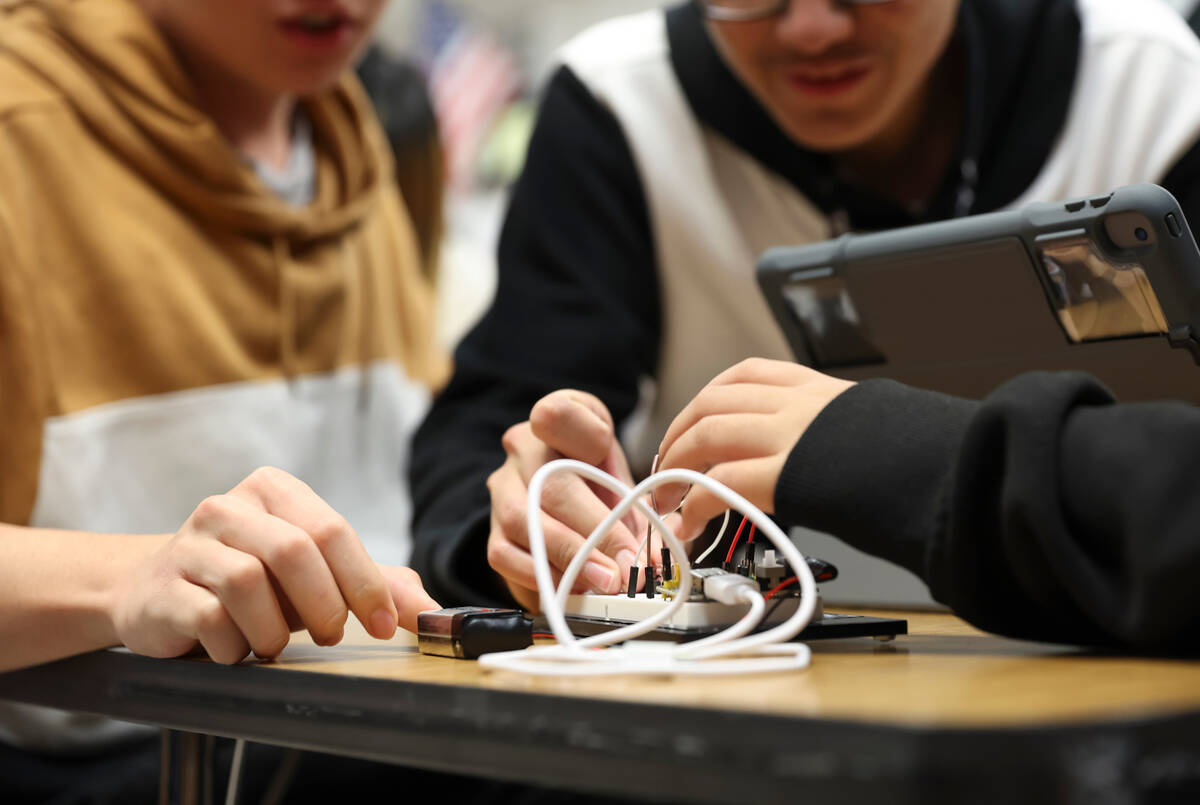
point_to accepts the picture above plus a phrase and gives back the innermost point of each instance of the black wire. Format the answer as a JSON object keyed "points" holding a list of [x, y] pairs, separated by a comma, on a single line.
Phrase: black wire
{"points": [[774, 606]]}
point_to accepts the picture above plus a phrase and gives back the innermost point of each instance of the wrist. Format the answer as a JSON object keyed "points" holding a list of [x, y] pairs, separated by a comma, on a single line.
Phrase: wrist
{"points": [[58, 588], [120, 577]]}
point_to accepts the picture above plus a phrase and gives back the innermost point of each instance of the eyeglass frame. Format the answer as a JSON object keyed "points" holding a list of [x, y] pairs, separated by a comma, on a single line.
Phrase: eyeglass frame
{"points": [[770, 9]]}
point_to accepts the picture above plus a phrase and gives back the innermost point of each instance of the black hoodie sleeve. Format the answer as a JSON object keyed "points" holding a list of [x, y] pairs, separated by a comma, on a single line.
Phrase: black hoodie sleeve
{"points": [[1045, 512], [577, 306]]}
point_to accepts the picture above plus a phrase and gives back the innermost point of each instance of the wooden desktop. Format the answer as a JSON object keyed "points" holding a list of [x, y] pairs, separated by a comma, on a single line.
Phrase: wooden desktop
{"points": [[943, 713]]}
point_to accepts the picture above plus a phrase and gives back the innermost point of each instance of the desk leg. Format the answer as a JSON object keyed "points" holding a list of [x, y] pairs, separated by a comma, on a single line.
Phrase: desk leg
{"points": [[189, 746], [164, 768]]}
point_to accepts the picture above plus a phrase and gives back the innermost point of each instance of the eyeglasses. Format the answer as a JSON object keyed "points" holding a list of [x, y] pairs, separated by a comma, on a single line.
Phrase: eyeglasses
{"points": [[745, 10]]}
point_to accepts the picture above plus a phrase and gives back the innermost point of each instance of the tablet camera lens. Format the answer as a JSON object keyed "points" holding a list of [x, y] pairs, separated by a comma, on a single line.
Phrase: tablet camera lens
{"points": [[1141, 234]]}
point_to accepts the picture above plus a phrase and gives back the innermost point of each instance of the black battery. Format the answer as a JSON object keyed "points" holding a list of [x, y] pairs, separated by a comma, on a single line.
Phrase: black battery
{"points": [[468, 632]]}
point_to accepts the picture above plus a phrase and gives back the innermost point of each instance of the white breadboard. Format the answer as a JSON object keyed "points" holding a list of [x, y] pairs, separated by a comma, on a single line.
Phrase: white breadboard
{"points": [[691, 615]]}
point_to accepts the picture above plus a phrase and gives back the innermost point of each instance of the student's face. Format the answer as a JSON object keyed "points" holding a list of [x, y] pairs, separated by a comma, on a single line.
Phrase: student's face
{"points": [[278, 46], [835, 76]]}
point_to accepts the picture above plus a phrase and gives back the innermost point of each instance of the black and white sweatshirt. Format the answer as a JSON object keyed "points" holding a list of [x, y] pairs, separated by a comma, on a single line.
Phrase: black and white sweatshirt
{"points": [[654, 180]]}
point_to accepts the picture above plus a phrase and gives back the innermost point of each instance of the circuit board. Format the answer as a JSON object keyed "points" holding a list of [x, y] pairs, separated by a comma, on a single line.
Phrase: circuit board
{"points": [[691, 615], [829, 625], [700, 616]]}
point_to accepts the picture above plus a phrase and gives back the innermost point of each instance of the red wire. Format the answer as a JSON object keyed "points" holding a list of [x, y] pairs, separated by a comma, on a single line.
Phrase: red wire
{"points": [[771, 592], [736, 536], [750, 538]]}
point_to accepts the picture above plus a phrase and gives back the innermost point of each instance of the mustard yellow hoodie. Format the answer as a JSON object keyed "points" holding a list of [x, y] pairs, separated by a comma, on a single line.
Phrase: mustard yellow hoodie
{"points": [[166, 322]]}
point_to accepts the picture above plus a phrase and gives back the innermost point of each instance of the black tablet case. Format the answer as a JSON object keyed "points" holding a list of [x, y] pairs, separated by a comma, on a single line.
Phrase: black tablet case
{"points": [[961, 306]]}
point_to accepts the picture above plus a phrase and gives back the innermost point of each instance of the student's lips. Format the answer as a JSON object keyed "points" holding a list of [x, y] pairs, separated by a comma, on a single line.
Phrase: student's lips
{"points": [[319, 32], [828, 83]]}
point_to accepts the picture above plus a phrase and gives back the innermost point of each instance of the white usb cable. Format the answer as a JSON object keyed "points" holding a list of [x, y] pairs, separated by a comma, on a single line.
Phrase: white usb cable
{"points": [[731, 651]]}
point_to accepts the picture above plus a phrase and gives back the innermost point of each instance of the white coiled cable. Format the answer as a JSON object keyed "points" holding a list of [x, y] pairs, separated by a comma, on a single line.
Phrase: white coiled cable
{"points": [[732, 651]]}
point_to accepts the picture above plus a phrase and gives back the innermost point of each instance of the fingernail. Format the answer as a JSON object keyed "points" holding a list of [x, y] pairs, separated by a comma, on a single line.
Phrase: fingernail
{"points": [[431, 604], [626, 559], [599, 577], [383, 623], [332, 641]]}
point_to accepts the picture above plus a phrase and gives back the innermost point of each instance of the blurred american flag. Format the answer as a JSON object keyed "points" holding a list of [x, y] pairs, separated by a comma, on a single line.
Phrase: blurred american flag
{"points": [[472, 79]]}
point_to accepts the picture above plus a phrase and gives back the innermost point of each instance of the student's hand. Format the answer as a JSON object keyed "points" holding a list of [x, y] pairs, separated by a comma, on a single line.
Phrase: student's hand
{"points": [[250, 566], [739, 430], [563, 424]]}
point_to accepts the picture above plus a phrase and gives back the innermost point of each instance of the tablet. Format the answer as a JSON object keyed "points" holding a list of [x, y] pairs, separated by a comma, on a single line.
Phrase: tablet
{"points": [[1108, 284]]}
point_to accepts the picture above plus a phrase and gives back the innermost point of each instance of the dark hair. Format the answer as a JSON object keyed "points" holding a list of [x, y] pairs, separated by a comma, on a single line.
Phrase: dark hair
{"points": [[400, 94]]}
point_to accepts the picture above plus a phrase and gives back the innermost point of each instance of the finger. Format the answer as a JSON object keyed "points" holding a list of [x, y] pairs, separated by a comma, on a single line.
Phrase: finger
{"points": [[509, 512], [616, 465], [290, 616], [358, 577], [599, 574], [408, 594], [572, 502], [515, 567], [713, 400], [529, 453], [753, 479], [240, 582], [526, 599], [513, 563], [200, 615], [740, 398], [526, 452], [674, 521], [578, 425], [716, 440], [767, 372], [575, 424], [288, 552]]}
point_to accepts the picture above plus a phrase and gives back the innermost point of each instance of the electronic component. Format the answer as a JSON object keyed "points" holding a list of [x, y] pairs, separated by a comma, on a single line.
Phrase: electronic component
{"points": [[733, 650], [468, 632], [826, 626], [772, 570], [706, 613], [618, 610], [696, 591], [728, 588]]}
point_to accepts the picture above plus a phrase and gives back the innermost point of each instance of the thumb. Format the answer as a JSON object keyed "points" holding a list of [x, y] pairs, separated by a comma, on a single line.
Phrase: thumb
{"points": [[578, 425], [408, 594], [575, 424]]}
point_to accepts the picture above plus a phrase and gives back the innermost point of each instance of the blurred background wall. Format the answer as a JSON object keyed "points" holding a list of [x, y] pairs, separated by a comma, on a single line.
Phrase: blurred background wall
{"points": [[486, 60], [531, 28]]}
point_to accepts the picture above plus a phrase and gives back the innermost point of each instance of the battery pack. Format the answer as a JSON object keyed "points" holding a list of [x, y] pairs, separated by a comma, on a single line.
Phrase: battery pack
{"points": [[467, 632]]}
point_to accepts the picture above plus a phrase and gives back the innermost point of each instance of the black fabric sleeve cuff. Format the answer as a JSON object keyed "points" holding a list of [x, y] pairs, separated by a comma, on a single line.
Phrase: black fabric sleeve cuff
{"points": [[874, 468]]}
